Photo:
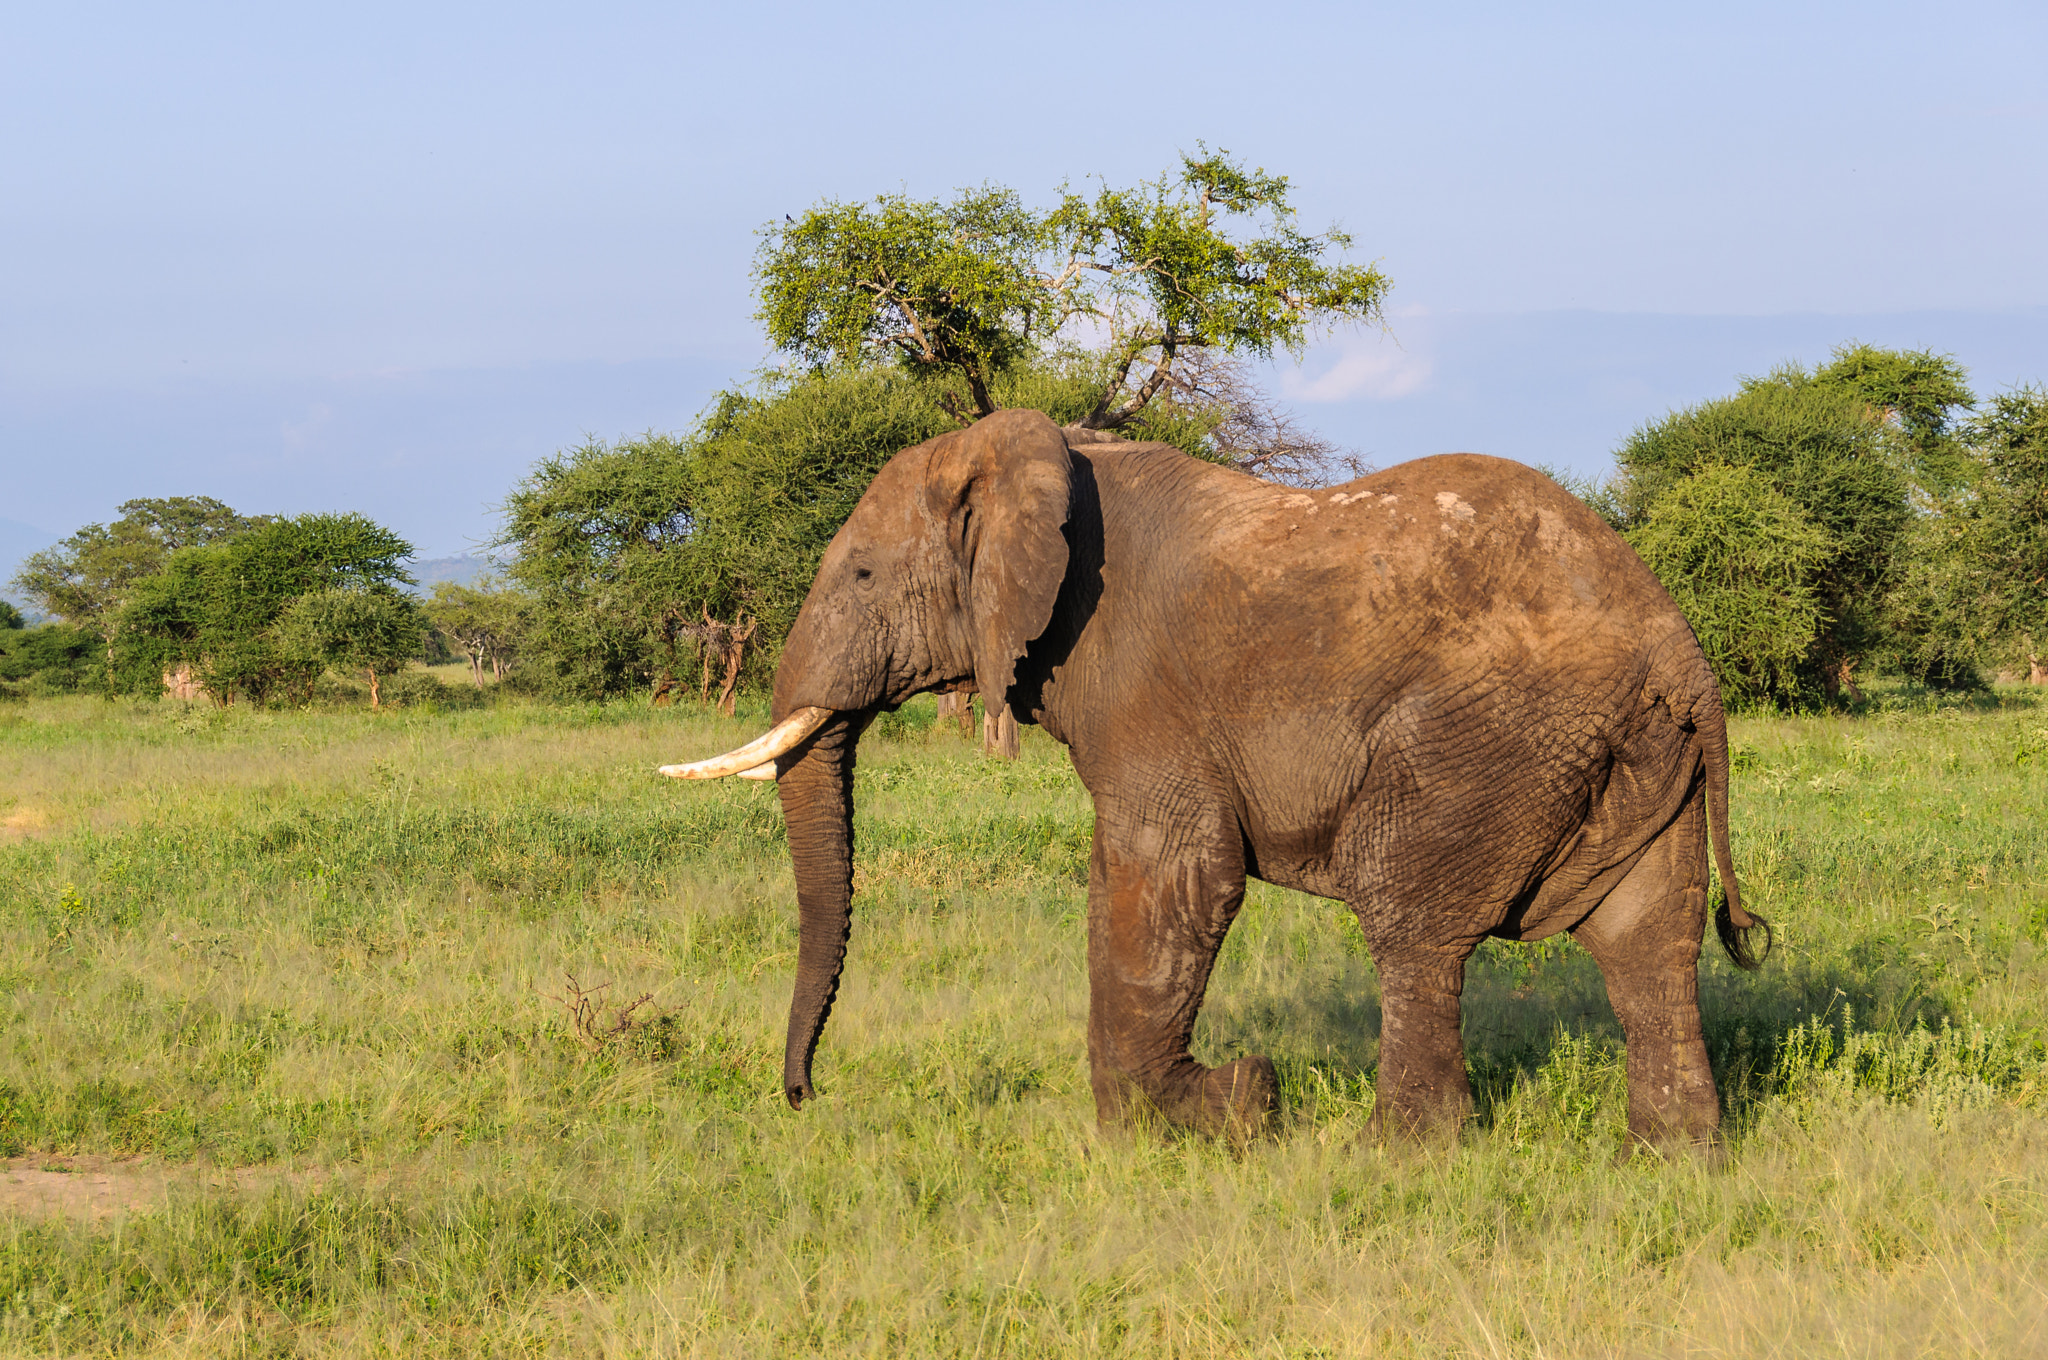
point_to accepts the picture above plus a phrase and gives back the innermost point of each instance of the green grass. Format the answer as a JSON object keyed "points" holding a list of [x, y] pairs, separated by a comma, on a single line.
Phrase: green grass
{"points": [[333, 947]]}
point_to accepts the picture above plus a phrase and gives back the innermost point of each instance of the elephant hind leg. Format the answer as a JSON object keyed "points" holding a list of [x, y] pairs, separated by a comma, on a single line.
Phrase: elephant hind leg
{"points": [[1426, 890], [1645, 935]]}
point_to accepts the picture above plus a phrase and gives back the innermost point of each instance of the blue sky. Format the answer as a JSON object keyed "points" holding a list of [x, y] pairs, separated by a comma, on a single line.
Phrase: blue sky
{"points": [[385, 257]]}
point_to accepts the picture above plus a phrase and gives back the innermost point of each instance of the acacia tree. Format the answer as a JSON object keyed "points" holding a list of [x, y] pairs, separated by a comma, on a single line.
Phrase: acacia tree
{"points": [[1921, 393], [969, 288], [369, 629], [605, 546], [1741, 560], [485, 620], [1823, 448], [1975, 589]]}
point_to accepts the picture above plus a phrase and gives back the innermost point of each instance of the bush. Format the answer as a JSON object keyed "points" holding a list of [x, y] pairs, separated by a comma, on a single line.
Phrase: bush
{"points": [[217, 606], [1827, 451], [1740, 559], [51, 658], [419, 689]]}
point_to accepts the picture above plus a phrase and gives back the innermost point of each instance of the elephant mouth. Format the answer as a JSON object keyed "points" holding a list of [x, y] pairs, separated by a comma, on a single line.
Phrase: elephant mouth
{"points": [[756, 759]]}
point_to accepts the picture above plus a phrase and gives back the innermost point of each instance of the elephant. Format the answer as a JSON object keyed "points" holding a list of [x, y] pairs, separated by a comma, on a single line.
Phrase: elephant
{"points": [[1447, 694]]}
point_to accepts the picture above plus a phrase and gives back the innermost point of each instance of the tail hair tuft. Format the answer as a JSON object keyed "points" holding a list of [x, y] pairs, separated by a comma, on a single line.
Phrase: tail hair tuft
{"points": [[1737, 940]]}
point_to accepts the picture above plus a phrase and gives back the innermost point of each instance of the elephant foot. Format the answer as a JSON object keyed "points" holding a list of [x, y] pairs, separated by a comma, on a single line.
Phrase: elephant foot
{"points": [[1708, 1151], [1665, 1140], [1239, 1099], [1420, 1116], [1235, 1101]]}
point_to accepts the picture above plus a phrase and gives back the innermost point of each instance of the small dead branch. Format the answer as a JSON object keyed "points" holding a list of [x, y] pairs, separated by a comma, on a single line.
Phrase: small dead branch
{"points": [[594, 1024], [1255, 433], [724, 643]]}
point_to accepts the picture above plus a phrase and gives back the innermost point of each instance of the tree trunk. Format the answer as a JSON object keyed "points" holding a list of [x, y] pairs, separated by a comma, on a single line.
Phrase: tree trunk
{"points": [[372, 670], [999, 735], [817, 809], [1847, 681], [476, 668], [959, 706], [2037, 674], [728, 698]]}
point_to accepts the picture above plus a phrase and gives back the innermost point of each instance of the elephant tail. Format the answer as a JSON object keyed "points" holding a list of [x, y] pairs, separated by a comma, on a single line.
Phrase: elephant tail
{"points": [[1737, 928]]}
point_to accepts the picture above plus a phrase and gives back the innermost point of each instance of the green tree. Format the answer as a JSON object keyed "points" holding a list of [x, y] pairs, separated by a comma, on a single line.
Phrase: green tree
{"points": [[487, 621], [1920, 392], [214, 607], [1741, 560], [10, 617], [53, 658], [87, 579], [971, 288], [604, 542], [370, 629], [1825, 449], [1975, 587]]}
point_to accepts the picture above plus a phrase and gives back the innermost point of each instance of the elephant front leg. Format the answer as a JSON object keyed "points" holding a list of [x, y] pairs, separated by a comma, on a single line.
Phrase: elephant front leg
{"points": [[1153, 933]]}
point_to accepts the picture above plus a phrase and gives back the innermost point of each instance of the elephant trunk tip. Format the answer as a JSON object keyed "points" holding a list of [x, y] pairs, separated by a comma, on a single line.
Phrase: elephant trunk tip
{"points": [[1737, 937]]}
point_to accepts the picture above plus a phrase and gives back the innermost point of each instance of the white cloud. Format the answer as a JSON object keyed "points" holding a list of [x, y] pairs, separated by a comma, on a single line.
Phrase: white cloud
{"points": [[1376, 369]]}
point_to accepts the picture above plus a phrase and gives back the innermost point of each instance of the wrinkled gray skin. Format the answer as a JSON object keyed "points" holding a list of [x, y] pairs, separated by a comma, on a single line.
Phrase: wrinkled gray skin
{"points": [[1446, 694]]}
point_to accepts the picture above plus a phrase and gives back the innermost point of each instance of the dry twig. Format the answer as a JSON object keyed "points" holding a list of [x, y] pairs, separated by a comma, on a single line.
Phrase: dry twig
{"points": [[585, 1010]]}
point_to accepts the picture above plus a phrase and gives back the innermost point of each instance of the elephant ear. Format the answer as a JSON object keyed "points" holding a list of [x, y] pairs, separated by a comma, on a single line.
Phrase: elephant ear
{"points": [[1002, 487]]}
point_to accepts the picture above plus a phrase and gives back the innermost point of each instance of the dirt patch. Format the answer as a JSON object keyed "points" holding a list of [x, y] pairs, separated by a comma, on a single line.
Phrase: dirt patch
{"points": [[96, 1188], [24, 822]]}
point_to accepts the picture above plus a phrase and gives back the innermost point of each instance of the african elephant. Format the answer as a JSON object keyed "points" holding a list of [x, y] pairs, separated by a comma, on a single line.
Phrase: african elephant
{"points": [[1446, 694]]}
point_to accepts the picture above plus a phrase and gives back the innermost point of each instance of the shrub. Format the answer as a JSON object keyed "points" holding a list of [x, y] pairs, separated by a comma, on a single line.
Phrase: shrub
{"points": [[1740, 559]]}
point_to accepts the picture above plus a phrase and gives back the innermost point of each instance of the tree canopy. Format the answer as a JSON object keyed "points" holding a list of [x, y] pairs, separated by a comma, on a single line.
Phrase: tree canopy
{"points": [[1824, 449], [88, 578], [1974, 590], [1918, 391], [369, 629], [1912, 533], [1210, 257], [213, 606], [1741, 560]]}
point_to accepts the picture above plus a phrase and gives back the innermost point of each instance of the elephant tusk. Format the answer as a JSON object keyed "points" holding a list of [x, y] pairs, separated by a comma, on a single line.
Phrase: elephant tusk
{"points": [[762, 751]]}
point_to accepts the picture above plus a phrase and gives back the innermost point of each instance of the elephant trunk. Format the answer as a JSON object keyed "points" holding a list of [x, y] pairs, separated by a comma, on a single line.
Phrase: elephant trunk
{"points": [[817, 809]]}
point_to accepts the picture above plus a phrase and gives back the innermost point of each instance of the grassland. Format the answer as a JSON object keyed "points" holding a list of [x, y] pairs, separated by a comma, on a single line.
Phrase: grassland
{"points": [[302, 983]]}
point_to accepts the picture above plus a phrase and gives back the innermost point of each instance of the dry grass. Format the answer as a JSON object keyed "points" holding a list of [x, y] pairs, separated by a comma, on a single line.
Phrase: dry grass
{"points": [[297, 969]]}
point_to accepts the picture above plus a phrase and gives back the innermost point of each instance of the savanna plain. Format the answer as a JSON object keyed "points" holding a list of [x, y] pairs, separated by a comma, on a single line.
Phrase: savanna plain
{"points": [[321, 1037]]}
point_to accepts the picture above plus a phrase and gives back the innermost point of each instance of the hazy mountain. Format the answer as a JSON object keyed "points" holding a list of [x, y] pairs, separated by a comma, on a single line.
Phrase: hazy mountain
{"points": [[463, 571]]}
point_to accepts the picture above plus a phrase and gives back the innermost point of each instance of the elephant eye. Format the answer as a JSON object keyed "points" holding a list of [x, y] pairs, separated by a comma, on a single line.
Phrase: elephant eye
{"points": [[861, 573]]}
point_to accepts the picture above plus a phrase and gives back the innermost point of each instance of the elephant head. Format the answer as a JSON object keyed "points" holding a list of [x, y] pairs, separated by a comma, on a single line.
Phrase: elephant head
{"points": [[948, 568]]}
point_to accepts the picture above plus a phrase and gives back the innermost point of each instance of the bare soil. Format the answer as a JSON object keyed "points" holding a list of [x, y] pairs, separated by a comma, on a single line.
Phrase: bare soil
{"points": [[97, 1188]]}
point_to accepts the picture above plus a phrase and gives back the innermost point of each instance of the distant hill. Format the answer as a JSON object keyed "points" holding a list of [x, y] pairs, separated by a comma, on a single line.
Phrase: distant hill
{"points": [[463, 571]]}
